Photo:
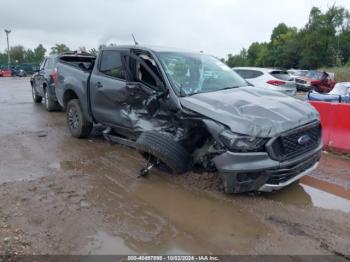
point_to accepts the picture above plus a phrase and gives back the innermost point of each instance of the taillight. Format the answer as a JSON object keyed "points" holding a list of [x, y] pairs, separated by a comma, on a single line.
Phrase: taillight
{"points": [[276, 82], [54, 76]]}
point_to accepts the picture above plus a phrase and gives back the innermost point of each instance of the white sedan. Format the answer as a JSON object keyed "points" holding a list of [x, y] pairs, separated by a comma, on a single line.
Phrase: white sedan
{"points": [[273, 79]]}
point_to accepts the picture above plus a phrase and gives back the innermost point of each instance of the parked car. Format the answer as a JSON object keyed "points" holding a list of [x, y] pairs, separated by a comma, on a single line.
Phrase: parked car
{"points": [[296, 73], [267, 78], [18, 72], [340, 93], [43, 82], [322, 82], [182, 110], [5, 72]]}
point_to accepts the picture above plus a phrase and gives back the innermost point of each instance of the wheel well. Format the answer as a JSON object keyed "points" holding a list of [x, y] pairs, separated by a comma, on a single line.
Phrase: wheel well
{"points": [[69, 95]]}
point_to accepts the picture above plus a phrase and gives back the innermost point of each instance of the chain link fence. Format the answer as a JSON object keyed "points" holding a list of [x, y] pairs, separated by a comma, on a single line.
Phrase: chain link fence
{"points": [[30, 68]]}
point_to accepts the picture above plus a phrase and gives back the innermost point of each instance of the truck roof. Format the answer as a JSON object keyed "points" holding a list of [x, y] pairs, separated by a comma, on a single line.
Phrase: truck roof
{"points": [[149, 48]]}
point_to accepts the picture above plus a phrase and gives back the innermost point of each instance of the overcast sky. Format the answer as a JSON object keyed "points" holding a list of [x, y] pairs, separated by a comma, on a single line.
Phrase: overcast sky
{"points": [[218, 27]]}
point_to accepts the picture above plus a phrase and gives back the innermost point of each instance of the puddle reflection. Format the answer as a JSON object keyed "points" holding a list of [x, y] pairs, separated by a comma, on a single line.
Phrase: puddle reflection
{"points": [[313, 192]]}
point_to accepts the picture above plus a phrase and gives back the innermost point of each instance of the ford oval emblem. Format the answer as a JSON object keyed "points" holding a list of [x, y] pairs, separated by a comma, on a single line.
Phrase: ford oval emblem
{"points": [[304, 140]]}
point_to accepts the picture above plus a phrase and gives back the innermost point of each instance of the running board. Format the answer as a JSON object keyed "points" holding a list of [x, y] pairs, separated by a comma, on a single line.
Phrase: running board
{"points": [[119, 140]]}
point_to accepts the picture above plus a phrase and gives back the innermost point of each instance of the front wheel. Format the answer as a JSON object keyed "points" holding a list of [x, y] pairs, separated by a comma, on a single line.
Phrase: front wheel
{"points": [[36, 98], [164, 152], [78, 125]]}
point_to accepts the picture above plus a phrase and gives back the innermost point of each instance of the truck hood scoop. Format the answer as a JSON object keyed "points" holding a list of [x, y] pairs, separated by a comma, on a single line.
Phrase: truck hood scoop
{"points": [[252, 111]]}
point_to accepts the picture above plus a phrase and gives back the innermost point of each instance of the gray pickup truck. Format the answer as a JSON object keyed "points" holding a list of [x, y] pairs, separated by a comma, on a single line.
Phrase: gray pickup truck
{"points": [[189, 111]]}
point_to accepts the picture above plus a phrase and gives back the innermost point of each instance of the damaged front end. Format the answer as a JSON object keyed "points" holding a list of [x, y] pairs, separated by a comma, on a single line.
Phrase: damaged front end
{"points": [[264, 164]]}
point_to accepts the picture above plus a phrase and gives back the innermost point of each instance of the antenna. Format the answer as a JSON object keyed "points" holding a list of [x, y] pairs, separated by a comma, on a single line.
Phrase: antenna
{"points": [[136, 43]]}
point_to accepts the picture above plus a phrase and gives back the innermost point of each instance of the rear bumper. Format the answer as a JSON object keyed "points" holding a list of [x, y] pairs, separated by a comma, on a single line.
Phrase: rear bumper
{"points": [[52, 92], [244, 172]]}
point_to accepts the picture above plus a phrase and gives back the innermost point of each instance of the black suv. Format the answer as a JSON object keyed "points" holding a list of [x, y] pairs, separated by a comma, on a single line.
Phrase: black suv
{"points": [[43, 83]]}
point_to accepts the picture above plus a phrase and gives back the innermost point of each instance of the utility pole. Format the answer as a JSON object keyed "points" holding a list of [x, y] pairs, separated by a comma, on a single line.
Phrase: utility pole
{"points": [[8, 48]]}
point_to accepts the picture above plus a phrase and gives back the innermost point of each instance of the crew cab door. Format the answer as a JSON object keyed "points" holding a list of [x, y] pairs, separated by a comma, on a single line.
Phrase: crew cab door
{"points": [[108, 91], [123, 91]]}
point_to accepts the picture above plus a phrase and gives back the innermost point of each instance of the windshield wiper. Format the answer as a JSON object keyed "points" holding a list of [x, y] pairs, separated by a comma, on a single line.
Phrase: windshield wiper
{"points": [[230, 87]]}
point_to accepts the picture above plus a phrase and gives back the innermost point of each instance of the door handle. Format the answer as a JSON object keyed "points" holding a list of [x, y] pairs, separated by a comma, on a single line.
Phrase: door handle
{"points": [[99, 85]]}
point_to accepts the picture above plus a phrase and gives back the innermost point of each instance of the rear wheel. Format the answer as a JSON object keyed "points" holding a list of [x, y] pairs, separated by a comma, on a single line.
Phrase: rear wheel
{"points": [[77, 123], [50, 104], [164, 152], [36, 98]]}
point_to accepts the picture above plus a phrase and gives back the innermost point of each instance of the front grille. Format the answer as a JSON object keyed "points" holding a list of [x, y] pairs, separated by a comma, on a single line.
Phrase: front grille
{"points": [[300, 81], [278, 176], [289, 145]]}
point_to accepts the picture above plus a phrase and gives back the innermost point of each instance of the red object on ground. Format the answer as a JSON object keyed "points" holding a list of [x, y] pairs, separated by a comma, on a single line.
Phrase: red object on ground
{"points": [[6, 73], [335, 124]]}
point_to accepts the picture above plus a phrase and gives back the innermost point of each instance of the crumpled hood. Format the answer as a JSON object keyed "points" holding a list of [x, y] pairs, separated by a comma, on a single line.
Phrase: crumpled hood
{"points": [[252, 111]]}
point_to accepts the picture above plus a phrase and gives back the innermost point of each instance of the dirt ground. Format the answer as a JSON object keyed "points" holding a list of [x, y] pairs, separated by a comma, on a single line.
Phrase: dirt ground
{"points": [[61, 195]]}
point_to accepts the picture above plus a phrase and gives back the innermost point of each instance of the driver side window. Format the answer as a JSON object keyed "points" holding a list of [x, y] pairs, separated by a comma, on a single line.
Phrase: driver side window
{"points": [[143, 75]]}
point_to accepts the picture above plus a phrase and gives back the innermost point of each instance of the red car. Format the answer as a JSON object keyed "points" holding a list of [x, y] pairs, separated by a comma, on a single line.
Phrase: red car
{"points": [[321, 82], [5, 72]]}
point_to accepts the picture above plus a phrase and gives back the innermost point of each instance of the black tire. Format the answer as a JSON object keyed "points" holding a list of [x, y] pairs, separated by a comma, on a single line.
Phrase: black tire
{"points": [[78, 125], [50, 104], [36, 98], [165, 150]]}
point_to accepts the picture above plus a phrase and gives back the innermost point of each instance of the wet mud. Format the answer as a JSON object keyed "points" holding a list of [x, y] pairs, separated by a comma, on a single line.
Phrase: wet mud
{"points": [[60, 195]]}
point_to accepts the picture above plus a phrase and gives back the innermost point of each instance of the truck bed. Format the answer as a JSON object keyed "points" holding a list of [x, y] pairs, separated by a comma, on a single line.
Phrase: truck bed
{"points": [[82, 61], [73, 70]]}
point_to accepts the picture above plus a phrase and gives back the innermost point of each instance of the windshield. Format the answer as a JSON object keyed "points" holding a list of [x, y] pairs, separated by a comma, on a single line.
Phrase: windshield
{"points": [[198, 73], [301, 73], [314, 75]]}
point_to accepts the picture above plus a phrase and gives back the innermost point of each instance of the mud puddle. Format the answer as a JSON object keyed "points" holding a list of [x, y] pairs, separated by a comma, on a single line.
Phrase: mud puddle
{"points": [[311, 192], [154, 215]]}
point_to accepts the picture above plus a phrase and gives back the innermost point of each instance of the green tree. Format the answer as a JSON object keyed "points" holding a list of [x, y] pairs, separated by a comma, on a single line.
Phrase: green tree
{"points": [[17, 54], [319, 40], [324, 41], [238, 60], [59, 49], [39, 54], [29, 56], [279, 30], [3, 58]]}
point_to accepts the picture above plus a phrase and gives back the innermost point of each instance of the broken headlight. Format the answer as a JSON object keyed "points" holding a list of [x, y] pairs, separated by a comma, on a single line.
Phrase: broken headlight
{"points": [[242, 143]]}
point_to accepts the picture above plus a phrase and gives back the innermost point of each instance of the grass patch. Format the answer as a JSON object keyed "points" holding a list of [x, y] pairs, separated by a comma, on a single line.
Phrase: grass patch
{"points": [[342, 74]]}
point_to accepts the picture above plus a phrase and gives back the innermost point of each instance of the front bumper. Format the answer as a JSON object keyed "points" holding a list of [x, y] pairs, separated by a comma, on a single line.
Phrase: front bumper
{"points": [[244, 172], [303, 87]]}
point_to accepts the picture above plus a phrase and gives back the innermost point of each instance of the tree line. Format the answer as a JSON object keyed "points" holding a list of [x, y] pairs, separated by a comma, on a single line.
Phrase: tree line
{"points": [[21, 55], [323, 42]]}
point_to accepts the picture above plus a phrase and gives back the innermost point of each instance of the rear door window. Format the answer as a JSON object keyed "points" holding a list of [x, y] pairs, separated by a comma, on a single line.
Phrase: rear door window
{"points": [[42, 65], [249, 74], [49, 64], [281, 75], [111, 64]]}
